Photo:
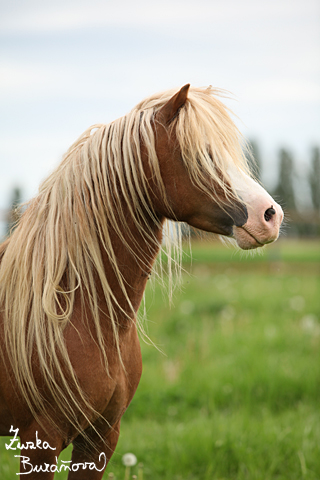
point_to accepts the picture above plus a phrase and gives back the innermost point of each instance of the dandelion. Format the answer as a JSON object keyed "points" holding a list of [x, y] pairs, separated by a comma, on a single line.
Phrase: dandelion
{"points": [[297, 303], [310, 324], [128, 460]]}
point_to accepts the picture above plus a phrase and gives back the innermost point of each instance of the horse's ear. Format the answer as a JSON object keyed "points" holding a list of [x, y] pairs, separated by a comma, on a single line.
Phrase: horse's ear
{"points": [[172, 107]]}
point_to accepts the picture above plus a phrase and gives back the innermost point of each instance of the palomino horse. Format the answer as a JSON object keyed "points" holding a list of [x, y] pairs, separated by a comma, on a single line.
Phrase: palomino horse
{"points": [[74, 270]]}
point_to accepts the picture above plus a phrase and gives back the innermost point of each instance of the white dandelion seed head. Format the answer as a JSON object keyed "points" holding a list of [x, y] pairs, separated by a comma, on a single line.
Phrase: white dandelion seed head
{"points": [[129, 459]]}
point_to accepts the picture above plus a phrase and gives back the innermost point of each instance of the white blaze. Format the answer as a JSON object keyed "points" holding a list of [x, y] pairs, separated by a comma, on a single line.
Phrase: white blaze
{"points": [[257, 231]]}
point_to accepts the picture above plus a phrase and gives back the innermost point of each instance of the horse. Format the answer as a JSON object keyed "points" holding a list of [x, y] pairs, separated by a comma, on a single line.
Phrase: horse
{"points": [[74, 270]]}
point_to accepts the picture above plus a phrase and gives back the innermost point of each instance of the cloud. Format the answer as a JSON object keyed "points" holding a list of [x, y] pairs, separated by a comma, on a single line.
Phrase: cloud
{"points": [[281, 90], [31, 16]]}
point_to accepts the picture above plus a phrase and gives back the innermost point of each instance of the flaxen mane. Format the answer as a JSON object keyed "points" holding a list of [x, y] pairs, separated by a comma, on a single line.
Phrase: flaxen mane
{"points": [[55, 251]]}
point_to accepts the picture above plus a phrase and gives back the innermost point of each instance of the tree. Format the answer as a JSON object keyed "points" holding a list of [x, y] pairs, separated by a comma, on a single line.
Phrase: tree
{"points": [[314, 178], [285, 188], [14, 213], [254, 159]]}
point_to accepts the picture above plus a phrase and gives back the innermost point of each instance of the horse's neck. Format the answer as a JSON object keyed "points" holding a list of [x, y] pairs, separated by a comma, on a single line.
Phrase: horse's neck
{"points": [[135, 258]]}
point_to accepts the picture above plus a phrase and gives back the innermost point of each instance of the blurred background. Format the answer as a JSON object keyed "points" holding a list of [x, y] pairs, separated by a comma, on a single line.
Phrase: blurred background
{"points": [[68, 64], [236, 393]]}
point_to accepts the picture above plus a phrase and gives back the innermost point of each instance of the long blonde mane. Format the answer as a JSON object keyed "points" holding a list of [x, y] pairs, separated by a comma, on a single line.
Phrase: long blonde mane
{"points": [[55, 251]]}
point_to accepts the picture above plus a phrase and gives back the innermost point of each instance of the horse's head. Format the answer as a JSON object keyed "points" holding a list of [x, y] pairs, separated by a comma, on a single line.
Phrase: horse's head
{"points": [[206, 185]]}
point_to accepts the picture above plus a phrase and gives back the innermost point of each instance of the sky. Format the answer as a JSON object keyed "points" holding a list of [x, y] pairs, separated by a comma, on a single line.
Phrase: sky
{"points": [[68, 64]]}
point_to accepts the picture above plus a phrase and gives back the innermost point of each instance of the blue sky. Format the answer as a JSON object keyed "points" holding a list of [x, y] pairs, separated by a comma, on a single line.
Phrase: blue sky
{"points": [[68, 64]]}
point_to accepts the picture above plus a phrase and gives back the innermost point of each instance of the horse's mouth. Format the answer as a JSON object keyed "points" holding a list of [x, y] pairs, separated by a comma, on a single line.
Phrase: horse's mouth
{"points": [[245, 239]]}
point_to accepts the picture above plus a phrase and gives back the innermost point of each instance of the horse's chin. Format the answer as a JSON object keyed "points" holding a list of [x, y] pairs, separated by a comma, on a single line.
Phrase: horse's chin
{"points": [[245, 240]]}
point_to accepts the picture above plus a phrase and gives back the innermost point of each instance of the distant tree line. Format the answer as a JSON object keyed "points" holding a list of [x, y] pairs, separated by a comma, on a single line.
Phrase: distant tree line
{"points": [[13, 213], [300, 221]]}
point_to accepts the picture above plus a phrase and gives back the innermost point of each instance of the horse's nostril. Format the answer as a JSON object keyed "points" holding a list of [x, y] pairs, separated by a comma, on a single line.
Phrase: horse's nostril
{"points": [[269, 213]]}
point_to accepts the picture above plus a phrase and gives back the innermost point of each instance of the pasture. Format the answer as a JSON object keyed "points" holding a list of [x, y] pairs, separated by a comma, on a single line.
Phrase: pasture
{"points": [[235, 394]]}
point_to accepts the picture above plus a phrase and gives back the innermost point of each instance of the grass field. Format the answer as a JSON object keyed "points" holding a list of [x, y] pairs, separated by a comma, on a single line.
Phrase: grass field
{"points": [[236, 393]]}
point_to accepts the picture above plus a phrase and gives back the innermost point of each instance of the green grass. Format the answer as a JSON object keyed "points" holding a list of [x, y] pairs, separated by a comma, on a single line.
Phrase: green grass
{"points": [[236, 393], [284, 250]]}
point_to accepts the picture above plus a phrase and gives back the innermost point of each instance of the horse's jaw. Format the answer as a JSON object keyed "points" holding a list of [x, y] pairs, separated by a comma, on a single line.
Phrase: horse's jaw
{"points": [[247, 241]]}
